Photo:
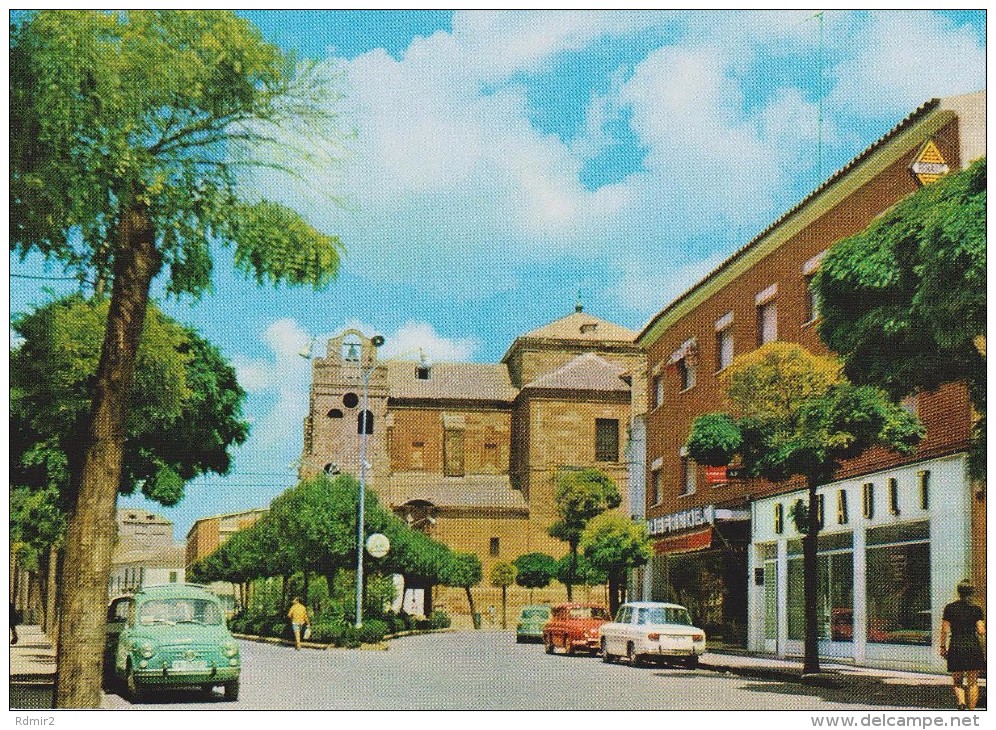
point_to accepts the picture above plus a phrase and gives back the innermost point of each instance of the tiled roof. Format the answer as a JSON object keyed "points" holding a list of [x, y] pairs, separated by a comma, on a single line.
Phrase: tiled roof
{"points": [[585, 372], [451, 381], [476, 490], [581, 326]]}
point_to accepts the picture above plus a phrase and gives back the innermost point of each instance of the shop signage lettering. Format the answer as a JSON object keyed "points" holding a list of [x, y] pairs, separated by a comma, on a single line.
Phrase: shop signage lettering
{"points": [[684, 520]]}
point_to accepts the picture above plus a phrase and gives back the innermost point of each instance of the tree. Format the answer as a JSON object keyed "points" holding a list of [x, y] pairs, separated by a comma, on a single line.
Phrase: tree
{"points": [[129, 133], [580, 495], [185, 414], [580, 570], [616, 544], [794, 414], [904, 301], [464, 571], [502, 576], [534, 570]]}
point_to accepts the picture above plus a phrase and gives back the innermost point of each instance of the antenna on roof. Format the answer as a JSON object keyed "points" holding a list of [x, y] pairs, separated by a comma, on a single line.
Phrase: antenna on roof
{"points": [[578, 306]]}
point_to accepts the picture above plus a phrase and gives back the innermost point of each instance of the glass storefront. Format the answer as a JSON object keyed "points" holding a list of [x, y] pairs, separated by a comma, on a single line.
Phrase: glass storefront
{"points": [[898, 584], [835, 597]]}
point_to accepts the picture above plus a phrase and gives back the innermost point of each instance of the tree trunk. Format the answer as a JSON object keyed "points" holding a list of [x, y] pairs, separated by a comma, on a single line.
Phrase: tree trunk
{"points": [[504, 604], [811, 649], [573, 572], [90, 536], [427, 599], [51, 620], [470, 600]]}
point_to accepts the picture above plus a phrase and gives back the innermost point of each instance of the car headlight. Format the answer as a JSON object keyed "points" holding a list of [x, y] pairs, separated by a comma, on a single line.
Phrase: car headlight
{"points": [[146, 649], [230, 649]]}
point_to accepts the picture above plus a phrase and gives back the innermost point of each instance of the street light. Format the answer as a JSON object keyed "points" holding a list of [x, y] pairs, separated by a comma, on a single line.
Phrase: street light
{"points": [[365, 417]]}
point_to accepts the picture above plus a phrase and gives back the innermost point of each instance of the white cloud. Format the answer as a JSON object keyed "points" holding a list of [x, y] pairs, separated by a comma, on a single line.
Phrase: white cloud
{"points": [[901, 59], [413, 337], [450, 184]]}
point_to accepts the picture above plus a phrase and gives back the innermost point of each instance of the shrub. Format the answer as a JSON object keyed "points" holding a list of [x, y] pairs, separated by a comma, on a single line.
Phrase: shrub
{"points": [[372, 631], [439, 620]]}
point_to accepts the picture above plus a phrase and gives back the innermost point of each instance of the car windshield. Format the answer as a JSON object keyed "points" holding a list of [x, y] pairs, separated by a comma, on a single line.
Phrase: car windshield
{"points": [[179, 611], [535, 612], [588, 612], [664, 615]]}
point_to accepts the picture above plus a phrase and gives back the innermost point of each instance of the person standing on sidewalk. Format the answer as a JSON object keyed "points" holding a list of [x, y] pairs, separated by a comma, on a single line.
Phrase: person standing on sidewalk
{"points": [[15, 619], [963, 623], [298, 615]]}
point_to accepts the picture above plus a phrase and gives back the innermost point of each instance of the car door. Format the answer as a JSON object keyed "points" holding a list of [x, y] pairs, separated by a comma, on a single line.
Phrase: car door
{"points": [[117, 617], [616, 635]]}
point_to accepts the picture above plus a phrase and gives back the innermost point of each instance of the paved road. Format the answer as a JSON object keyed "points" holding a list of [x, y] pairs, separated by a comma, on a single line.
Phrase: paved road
{"points": [[484, 671]]}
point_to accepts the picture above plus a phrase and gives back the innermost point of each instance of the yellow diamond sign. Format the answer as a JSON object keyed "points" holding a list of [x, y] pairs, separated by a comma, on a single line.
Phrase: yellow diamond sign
{"points": [[929, 165]]}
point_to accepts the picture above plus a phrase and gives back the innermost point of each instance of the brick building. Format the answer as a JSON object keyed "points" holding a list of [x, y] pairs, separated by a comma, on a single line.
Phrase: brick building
{"points": [[468, 452], [899, 532], [208, 534]]}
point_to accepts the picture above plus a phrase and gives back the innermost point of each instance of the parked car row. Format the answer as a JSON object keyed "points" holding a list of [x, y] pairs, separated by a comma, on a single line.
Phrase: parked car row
{"points": [[643, 631]]}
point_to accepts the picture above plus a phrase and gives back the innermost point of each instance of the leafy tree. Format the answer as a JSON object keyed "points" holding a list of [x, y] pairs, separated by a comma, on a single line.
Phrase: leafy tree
{"points": [[904, 301], [580, 570], [797, 415], [502, 576], [616, 544], [129, 132], [534, 570], [464, 571], [580, 495]]}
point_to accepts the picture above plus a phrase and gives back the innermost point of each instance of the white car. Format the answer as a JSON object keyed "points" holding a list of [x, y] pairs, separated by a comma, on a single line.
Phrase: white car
{"points": [[651, 631]]}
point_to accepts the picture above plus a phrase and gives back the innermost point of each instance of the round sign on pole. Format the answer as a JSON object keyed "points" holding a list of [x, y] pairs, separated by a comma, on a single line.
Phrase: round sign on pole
{"points": [[378, 545]]}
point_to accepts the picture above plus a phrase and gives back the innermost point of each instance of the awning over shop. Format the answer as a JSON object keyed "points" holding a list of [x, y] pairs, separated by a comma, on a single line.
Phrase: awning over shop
{"points": [[684, 543]]}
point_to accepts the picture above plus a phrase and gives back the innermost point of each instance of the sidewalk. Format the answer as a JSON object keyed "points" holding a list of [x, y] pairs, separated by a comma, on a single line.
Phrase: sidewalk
{"points": [[32, 670]]}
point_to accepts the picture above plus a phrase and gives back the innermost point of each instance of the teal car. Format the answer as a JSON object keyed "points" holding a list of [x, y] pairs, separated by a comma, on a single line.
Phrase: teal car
{"points": [[531, 621], [172, 636]]}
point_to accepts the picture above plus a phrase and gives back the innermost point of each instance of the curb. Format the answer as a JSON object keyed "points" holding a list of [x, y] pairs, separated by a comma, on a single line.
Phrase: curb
{"points": [[381, 645]]}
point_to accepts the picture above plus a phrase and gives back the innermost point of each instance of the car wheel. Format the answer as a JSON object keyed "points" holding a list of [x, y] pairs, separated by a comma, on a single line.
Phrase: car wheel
{"points": [[231, 691], [606, 657], [548, 644], [568, 646], [692, 662], [634, 658], [518, 639], [135, 693]]}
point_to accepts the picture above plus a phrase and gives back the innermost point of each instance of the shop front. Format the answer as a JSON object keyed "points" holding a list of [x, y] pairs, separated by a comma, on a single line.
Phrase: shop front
{"points": [[892, 547], [700, 559]]}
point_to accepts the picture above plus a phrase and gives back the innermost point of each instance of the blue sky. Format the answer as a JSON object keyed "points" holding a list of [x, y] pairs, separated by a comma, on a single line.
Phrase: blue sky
{"points": [[504, 160]]}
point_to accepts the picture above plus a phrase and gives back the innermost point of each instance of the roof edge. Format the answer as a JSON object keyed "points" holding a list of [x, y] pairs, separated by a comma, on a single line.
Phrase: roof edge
{"points": [[875, 158]]}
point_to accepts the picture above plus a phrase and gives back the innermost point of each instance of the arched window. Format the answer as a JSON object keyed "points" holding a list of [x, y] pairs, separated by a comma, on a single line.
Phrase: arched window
{"points": [[365, 422], [335, 413]]}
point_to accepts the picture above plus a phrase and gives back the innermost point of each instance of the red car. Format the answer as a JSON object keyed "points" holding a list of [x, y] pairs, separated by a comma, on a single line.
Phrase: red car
{"points": [[574, 627]]}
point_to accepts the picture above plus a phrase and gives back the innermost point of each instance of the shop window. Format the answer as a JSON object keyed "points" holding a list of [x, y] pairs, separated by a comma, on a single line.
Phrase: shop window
{"points": [[688, 476], [924, 478], [898, 584], [894, 496], [494, 547], [606, 439], [842, 507], [365, 422], [868, 500], [770, 598], [779, 519], [835, 597], [819, 510]]}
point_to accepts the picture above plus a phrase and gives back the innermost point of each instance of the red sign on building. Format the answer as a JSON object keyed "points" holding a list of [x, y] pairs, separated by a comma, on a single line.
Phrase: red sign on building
{"points": [[715, 475]]}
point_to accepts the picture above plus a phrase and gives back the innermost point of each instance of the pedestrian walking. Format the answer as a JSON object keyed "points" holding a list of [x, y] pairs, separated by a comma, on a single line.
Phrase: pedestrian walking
{"points": [[15, 619], [298, 615], [963, 630]]}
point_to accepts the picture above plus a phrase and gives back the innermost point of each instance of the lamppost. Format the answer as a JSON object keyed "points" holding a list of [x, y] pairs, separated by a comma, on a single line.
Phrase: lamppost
{"points": [[367, 367]]}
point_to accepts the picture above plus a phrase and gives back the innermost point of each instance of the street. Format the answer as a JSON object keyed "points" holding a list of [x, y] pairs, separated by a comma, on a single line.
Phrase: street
{"points": [[485, 670]]}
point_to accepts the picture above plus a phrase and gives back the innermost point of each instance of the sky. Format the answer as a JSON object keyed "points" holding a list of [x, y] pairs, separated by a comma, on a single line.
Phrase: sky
{"points": [[489, 166]]}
